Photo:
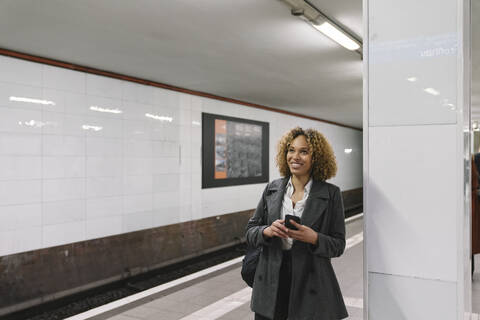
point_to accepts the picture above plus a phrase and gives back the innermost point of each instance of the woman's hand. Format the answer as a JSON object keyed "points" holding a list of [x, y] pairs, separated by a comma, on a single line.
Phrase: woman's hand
{"points": [[276, 229], [304, 233]]}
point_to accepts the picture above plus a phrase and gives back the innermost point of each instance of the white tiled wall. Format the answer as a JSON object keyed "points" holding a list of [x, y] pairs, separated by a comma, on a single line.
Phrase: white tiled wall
{"points": [[401, 212], [416, 121], [69, 173], [399, 296]]}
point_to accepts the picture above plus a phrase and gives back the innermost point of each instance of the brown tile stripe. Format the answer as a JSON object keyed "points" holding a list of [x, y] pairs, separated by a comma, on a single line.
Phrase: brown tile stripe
{"points": [[31, 278], [76, 67]]}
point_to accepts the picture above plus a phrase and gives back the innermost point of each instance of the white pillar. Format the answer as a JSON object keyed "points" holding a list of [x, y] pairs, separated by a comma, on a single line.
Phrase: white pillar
{"points": [[416, 159]]}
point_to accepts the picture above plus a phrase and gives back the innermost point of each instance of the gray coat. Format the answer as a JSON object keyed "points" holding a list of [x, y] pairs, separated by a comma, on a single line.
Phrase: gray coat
{"points": [[315, 293]]}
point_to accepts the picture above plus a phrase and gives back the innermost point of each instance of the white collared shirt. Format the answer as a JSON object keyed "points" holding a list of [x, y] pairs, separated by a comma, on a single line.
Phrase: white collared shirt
{"points": [[287, 207]]}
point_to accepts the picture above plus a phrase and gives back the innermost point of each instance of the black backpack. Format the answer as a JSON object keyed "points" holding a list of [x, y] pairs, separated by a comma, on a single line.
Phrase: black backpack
{"points": [[249, 264], [250, 261]]}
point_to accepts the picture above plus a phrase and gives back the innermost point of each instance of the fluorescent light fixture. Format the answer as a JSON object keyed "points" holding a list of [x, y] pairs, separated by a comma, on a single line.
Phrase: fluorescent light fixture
{"points": [[100, 109], [412, 79], [93, 128], [348, 150], [431, 91], [336, 35], [161, 118], [31, 100]]}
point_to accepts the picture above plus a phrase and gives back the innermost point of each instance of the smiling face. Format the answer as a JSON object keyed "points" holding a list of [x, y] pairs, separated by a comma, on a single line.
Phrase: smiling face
{"points": [[299, 157]]}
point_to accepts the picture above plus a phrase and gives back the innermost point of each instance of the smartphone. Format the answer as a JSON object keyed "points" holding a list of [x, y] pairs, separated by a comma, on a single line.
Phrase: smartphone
{"points": [[288, 224]]}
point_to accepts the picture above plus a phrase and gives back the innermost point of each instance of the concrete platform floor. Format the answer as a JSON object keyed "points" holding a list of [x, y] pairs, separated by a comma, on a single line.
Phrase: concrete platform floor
{"points": [[225, 296]]}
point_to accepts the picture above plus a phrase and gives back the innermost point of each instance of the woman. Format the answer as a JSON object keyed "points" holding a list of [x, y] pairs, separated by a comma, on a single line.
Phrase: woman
{"points": [[294, 277]]}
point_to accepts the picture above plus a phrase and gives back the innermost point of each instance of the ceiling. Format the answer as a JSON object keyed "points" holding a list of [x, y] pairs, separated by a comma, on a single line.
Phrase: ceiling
{"points": [[250, 50]]}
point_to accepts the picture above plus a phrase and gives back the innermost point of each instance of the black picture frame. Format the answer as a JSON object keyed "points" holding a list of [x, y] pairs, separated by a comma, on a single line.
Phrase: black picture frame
{"points": [[209, 149]]}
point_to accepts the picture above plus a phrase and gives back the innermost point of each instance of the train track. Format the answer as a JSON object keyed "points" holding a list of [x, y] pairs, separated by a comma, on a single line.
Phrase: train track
{"points": [[78, 303]]}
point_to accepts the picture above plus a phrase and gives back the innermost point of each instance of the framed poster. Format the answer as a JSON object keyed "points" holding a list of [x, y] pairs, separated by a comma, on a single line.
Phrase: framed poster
{"points": [[235, 151]]}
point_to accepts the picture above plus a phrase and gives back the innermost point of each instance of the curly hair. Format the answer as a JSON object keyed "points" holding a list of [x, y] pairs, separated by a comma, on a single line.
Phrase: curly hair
{"points": [[324, 164]]}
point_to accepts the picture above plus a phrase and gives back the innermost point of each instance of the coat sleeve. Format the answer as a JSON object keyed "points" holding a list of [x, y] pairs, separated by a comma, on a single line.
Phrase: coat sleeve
{"points": [[256, 224], [332, 244]]}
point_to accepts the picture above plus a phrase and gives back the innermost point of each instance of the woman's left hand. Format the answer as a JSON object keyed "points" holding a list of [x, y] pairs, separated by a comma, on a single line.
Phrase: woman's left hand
{"points": [[304, 233]]}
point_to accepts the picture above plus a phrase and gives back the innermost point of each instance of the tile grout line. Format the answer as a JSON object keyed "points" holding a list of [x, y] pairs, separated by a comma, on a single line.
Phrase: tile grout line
{"points": [[42, 173]]}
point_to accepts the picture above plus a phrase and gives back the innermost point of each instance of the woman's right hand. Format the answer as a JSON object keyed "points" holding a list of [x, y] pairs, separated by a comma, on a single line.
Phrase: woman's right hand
{"points": [[276, 229]]}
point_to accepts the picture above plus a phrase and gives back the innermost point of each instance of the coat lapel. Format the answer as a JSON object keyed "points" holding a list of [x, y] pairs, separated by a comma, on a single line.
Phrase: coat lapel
{"points": [[275, 200], [317, 203]]}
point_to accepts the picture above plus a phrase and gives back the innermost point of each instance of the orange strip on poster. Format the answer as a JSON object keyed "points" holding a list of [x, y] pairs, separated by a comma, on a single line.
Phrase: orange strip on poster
{"points": [[220, 149]]}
